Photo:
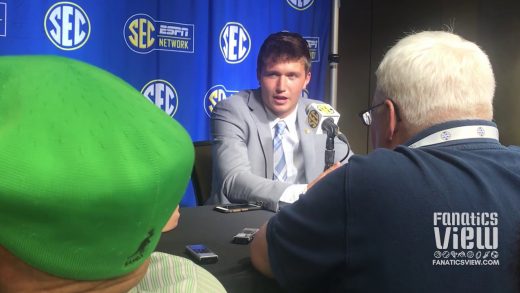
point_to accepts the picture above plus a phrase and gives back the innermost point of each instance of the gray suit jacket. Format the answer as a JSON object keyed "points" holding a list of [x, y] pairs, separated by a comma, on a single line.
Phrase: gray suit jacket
{"points": [[243, 151]]}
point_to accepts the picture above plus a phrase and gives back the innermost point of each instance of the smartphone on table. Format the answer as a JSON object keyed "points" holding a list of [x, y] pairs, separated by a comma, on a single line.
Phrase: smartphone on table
{"points": [[235, 208], [201, 254], [245, 236]]}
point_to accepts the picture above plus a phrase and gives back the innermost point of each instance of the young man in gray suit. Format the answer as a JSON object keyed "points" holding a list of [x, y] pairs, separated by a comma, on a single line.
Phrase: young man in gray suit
{"points": [[263, 148]]}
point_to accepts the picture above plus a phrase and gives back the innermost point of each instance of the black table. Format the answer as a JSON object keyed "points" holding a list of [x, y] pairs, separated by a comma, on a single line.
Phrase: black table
{"points": [[203, 225]]}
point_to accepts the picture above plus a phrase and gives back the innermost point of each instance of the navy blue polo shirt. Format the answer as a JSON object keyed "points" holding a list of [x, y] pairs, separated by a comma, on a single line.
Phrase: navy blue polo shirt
{"points": [[442, 217]]}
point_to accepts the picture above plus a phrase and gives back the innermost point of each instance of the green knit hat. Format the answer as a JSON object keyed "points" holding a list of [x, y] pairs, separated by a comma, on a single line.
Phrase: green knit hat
{"points": [[90, 171]]}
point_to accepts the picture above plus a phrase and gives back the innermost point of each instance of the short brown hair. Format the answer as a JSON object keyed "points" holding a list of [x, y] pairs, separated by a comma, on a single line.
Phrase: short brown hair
{"points": [[283, 46]]}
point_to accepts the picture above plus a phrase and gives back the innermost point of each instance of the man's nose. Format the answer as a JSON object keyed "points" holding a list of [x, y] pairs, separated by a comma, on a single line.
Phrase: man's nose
{"points": [[280, 84]]}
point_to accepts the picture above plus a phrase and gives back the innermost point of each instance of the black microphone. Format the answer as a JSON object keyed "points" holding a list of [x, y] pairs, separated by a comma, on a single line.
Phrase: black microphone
{"points": [[322, 118], [318, 113], [332, 128]]}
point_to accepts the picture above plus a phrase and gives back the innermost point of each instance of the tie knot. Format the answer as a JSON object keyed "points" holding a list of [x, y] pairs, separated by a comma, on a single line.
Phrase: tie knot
{"points": [[279, 128]]}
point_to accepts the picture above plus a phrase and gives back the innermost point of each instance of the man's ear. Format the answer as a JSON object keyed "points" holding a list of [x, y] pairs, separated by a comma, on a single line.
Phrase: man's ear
{"points": [[391, 119], [307, 79]]}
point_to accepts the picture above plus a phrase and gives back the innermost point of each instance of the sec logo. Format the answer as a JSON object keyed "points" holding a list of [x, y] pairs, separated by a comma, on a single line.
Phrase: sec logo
{"points": [[214, 95], [313, 118], [235, 42], [67, 26], [139, 33], [162, 94], [300, 4], [3, 22]]}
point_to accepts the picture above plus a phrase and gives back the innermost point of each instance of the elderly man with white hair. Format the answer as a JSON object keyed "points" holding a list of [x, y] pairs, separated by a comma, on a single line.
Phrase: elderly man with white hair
{"points": [[434, 208]]}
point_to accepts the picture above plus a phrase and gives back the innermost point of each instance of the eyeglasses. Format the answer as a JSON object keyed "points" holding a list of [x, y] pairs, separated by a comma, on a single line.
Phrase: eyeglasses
{"points": [[366, 115]]}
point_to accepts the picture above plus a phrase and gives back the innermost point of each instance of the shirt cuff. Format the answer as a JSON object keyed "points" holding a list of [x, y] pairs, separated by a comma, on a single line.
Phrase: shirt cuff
{"points": [[293, 192]]}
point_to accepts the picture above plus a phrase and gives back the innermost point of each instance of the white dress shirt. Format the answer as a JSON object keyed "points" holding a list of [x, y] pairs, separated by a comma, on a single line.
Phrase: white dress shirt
{"points": [[293, 156]]}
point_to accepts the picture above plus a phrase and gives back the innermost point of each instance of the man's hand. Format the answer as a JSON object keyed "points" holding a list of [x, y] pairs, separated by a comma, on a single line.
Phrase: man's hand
{"points": [[325, 173], [259, 253], [173, 221]]}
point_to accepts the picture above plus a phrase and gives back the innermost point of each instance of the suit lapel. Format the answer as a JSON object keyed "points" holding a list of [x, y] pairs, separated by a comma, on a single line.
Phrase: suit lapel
{"points": [[259, 115]]}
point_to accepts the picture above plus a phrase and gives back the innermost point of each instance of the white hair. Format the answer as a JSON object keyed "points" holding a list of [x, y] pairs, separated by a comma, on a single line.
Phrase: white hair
{"points": [[436, 76]]}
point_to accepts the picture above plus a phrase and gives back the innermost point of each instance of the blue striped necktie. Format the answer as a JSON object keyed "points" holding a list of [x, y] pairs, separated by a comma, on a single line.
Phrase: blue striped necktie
{"points": [[280, 168]]}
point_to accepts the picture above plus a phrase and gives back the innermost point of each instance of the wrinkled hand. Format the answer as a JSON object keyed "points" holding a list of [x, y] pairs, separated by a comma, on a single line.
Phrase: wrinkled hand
{"points": [[173, 221], [325, 173]]}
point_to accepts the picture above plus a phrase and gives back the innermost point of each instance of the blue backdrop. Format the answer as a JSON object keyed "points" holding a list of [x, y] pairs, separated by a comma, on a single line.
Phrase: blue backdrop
{"points": [[183, 55]]}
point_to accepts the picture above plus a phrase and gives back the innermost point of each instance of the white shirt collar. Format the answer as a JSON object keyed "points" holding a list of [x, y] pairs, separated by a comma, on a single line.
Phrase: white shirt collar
{"points": [[290, 120]]}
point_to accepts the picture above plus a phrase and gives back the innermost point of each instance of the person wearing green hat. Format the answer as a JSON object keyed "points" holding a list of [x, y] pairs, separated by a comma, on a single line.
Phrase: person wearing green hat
{"points": [[90, 174]]}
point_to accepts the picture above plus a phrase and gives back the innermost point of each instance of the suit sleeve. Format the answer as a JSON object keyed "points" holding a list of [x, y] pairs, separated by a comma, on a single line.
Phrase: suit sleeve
{"points": [[232, 170]]}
